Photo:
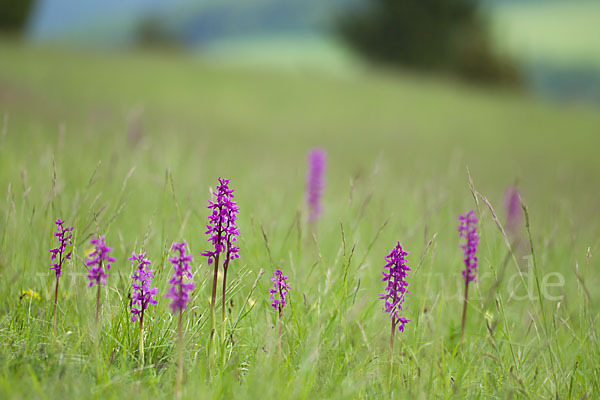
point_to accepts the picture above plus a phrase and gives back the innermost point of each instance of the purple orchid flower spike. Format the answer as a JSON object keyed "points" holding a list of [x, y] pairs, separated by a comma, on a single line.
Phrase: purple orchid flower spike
{"points": [[59, 256], [395, 274], [279, 291], [512, 205], [223, 231], [468, 231], [99, 262], [315, 183], [180, 296], [142, 295], [180, 290]]}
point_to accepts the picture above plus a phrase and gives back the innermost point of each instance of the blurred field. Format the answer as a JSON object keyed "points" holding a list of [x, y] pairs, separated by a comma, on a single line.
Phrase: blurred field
{"points": [[563, 32], [431, 124], [398, 147]]}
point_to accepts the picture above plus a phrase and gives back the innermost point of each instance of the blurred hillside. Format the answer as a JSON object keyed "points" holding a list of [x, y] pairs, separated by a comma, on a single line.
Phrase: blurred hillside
{"points": [[557, 42], [190, 22], [189, 108]]}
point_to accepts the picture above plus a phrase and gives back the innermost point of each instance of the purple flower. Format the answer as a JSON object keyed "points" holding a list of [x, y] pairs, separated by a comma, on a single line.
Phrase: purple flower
{"points": [[142, 293], [99, 261], [180, 291], [395, 276], [279, 291], [222, 226], [315, 182], [468, 230], [512, 205], [65, 236]]}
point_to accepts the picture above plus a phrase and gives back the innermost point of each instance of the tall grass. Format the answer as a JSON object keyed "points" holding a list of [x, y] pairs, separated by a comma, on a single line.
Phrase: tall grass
{"points": [[387, 181]]}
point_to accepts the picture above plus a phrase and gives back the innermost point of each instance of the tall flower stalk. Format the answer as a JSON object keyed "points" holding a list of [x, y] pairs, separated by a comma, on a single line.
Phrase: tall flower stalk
{"points": [[223, 233], [395, 274], [99, 263], [315, 183], [467, 229], [59, 256], [142, 295], [180, 296], [279, 293]]}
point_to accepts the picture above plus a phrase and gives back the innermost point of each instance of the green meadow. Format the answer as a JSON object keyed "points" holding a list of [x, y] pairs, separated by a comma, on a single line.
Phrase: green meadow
{"points": [[130, 145], [565, 33]]}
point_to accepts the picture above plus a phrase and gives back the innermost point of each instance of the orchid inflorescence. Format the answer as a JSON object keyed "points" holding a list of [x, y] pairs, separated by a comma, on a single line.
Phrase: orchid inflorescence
{"points": [[223, 232], [142, 295], [315, 183], [59, 255], [222, 226], [396, 289], [180, 296], [512, 205], [223, 236], [100, 262], [279, 291], [468, 230], [180, 290]]}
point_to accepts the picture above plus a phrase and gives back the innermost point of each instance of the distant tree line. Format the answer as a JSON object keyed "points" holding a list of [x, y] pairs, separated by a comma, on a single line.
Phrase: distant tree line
{"points": [[14, 15], [436, 35]]}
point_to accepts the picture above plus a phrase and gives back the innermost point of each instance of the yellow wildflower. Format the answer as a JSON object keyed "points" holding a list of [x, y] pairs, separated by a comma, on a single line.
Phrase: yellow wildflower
{"points": [[89, 251], [29, 294]]}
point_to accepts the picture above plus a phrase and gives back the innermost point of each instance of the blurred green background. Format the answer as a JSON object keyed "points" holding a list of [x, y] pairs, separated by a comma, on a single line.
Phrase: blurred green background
{"points": [[119, 117], [275, 75], [263, 82], [552, 44]]}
